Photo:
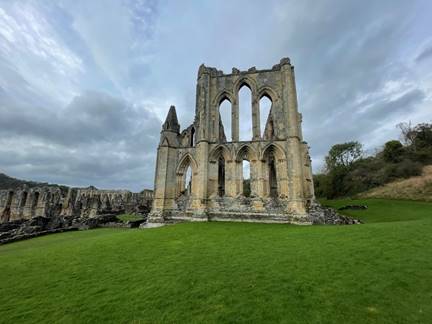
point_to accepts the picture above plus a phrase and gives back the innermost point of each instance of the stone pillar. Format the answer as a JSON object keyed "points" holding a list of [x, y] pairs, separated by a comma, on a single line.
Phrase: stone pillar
{"points": [[254, 177], [235, 119], [256, 130], [165, 184], [238, 177], [260, 181], [200, 184], [282, 177], [212, 179], [230, 178], [296, 204]]}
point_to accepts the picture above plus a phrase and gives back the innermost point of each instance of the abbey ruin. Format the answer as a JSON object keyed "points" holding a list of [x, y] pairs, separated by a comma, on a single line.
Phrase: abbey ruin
{"points": [[52, 202], [200, 171], [281, 185]]}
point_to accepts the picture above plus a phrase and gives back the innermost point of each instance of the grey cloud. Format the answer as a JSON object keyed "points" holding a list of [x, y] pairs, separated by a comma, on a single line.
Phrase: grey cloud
{"points": [[96, 139], [425, 54], [345, 54], [88, 118]]}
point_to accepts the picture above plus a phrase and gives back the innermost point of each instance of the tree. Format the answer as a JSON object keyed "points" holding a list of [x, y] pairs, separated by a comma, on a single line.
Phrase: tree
{"points": [[407, 131], [393, 151], [343, 155], [422, 136]]}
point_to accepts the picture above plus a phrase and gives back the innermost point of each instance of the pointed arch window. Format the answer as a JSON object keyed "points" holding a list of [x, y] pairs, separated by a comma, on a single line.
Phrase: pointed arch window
{"points": [[225, 122], [245, 112], [266, 123]]}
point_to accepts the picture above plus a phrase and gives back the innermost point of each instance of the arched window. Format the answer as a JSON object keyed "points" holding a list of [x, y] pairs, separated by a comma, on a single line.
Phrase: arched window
{"points": [[9, 199], [188, 181], [225, 120], [192, 137], [221, 176], [35, 199], [245, 113], [273, 185], [23, 199], [265, 106], [246, 178], [274, 160]]}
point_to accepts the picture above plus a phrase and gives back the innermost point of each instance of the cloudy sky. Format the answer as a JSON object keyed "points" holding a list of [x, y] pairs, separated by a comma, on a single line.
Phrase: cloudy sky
{"points": [[85, 85]]}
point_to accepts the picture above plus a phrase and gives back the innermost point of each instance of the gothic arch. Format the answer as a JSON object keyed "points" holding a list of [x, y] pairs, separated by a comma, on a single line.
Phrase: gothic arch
{"points": [[274, 170], [274, 148], [186, 160], [224, 95], [268, 92], [245, 81], [246, 152], [220, 150]]}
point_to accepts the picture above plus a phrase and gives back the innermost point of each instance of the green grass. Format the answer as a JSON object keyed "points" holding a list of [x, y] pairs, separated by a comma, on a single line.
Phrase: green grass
{"points": [[129, 218], [378, 272]]}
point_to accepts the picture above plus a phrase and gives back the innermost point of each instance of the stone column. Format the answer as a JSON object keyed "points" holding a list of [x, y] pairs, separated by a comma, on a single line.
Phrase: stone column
{"points": [[235, 119], [256, 130], [165, 184], [281, 174], [200, 184], [212, 184], [254, 177], [230, 178], [296, 203], [260, 182]]}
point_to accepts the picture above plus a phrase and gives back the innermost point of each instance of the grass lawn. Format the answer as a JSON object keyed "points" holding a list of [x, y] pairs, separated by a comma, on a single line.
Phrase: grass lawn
{"points": [[378, 272], [129, 218]]}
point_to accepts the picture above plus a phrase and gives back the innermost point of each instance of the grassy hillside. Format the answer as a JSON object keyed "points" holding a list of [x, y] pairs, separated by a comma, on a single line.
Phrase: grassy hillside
{"points": [[379, 272], [7, 182], [414, 188]]}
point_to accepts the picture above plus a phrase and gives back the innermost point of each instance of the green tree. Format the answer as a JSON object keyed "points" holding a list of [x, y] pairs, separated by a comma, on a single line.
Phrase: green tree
{"points": [[422, 136], [343, 155], [393, 151]]}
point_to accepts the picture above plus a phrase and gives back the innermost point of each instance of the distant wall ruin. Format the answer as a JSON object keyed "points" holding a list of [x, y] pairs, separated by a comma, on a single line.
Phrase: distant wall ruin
{"points": [[51, 202]]}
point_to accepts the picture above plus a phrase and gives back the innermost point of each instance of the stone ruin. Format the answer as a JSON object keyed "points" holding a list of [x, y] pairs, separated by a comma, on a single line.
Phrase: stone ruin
{"points": [[28, 212], [280, 189], [281, 183], [280, 175]]}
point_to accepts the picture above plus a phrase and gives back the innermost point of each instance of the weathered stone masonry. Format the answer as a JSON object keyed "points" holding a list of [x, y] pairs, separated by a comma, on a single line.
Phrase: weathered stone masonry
{"points": [[51, 202], [280, 167]]}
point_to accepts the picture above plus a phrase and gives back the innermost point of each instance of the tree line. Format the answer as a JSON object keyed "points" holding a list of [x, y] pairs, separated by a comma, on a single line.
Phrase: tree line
{"points": [[349, 171]]}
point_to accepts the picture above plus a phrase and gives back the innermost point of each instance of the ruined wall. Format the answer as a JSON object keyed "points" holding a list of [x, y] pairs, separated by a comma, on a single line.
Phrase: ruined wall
{"points": [[281, 183], [51, 202]]}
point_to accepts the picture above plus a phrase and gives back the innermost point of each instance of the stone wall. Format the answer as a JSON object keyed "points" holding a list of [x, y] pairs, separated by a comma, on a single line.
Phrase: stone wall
{"points": [[51, 202], [281, 183]]}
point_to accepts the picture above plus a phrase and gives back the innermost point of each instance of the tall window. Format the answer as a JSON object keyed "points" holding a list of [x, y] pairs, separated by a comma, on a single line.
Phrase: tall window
{"points": [[188, 181], [273, 186], [23, 199], [246, 178], [265, 105], [245, 113], [192, 137], [221, 176], [225, 114]]}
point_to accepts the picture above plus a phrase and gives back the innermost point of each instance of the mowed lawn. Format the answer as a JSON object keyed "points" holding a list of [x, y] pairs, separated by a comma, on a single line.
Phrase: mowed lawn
{"points": [[378, 272]]}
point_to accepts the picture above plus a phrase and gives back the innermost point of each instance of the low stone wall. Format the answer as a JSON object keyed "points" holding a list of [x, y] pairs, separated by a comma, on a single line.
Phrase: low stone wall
{"points": [[37, 226]]}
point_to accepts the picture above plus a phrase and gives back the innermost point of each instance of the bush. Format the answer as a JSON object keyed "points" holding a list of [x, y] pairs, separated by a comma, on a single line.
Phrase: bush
{"points": [[405, 169]]}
